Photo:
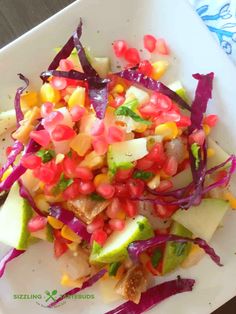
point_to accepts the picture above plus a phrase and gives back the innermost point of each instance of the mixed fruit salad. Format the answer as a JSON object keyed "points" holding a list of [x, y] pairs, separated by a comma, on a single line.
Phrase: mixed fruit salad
{"points": [[117, 170]]}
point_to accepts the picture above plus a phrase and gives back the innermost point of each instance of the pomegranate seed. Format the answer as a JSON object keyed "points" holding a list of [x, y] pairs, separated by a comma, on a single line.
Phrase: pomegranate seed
{"points": [[120, 47], [130, 207], [45, 174], [149, 42], [123, 174], [183, 122], [162, 102], [106, 190], [30, 161], [58, 83], [83, 173], [41, 137], [37, 223], [162, 47], [8, 150], [66, 65], [69, 167], [99, 236], [115, 134], [107, 229], [86, 188], [164, 186], [165, 211], [113, 208], [97, 223], [52, 119], [72, 191], [145, 67], [132, 56], [121, 190], [135, 187], [97, 128], [116, 224], [171, 165], [144, 163], [62, 133], [211, 120], [197, 137], [157, 154], [59, 248], [149, 110], [100, 145], [46, 109], [77, 113], [170, 116]]}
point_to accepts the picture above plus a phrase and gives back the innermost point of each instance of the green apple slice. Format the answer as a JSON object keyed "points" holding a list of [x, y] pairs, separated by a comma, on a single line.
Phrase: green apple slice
{"points": [[45, 234], [203, 220], [115, 249], [14, 216], [179, 89]]}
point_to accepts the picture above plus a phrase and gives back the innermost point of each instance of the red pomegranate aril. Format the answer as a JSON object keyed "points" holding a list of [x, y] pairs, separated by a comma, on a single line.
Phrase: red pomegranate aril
{"points": [[161, 46], [157, 154], [8, 150], [130, 207], [45, 174], [164, 186], [132, 56], [58, 83], [99, 236], [97, 223], [106, 190], [144, 163], [59, 248], [107, 229], [100, 145], [115, 134], [77, 113], [184, 121], [121, 190], [62, 133], [149, 42], [171, 115], [116, 224], [171, 166], [97, 128], [149, 110], [66, 65], [113, 208], [86, 188], [123, 174], [41, 137], [30, 161], [37, 223], [83, 173], [162, 102], [46, 109], [52, 119], [145, 67], [120, 47], [197, 137], [164, 211], [69, 167], [211, 120], [72, 191], [135, 187]]}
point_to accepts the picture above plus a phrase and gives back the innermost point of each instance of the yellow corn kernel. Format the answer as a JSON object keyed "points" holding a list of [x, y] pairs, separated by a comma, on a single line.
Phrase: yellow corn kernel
{"points": [[159, 69], [69, 234], [29, 100], [48, 93], [121, 215], [194, 256], [77, 97], [228, 196], [34, 114], [93, 161], [118, 89], [81, 143], [101, 178], [23, 132], [54, 199], [168, 130], [144, 258], [141, 128], [206, 129], [210, 152], [41, 203], [154, 182], [66, 281], [55, 223], [6, 173]]}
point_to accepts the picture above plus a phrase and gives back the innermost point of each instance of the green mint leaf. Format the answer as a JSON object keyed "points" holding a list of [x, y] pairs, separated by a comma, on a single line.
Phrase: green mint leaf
{"points": [[195, 151], [156, 257], [143, 175], [113, 267], [96, 197], [62, 184], [125, 111], [46, 155]]}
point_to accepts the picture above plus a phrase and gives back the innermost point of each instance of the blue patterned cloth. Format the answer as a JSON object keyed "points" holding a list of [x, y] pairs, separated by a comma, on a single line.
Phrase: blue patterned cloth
{"points": [[220, 18]]}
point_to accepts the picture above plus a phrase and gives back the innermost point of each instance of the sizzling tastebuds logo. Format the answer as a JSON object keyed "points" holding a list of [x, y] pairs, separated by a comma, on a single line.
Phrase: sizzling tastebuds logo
{"points": [[49, 296]]}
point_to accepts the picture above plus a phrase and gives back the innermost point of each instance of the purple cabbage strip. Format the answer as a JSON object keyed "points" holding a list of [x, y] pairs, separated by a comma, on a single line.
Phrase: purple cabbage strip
{"points": [[69, 219], [98, 94], [154, 296], [136, 77], [16, 150], [20, 90], [66, 50], [137, 247], [85, 285], [13, 253]]}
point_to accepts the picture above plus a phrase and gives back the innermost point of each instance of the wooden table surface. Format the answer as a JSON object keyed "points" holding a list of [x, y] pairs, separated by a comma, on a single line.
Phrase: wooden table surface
{"points": [[17, 17]]}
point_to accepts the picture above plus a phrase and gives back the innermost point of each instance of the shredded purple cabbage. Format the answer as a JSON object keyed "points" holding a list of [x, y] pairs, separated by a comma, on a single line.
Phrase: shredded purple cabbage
{"points": [[98, 94], [69, 219], [85, 285], [154, 296], [137, 247], [20, 90], [13, 253], [147, 82]]}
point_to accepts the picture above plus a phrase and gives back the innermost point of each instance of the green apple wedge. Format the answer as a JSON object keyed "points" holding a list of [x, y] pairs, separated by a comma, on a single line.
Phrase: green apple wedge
{"points": [[14, 216], [203, 220], [115, 248], [45, 234], [175, 253], [179, 89]]}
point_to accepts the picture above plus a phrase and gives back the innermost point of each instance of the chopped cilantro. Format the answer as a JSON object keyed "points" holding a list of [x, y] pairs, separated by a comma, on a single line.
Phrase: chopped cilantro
{"points": [[143, 175], [46, 155], [96, 197], [125, 111], [62, 184]]}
